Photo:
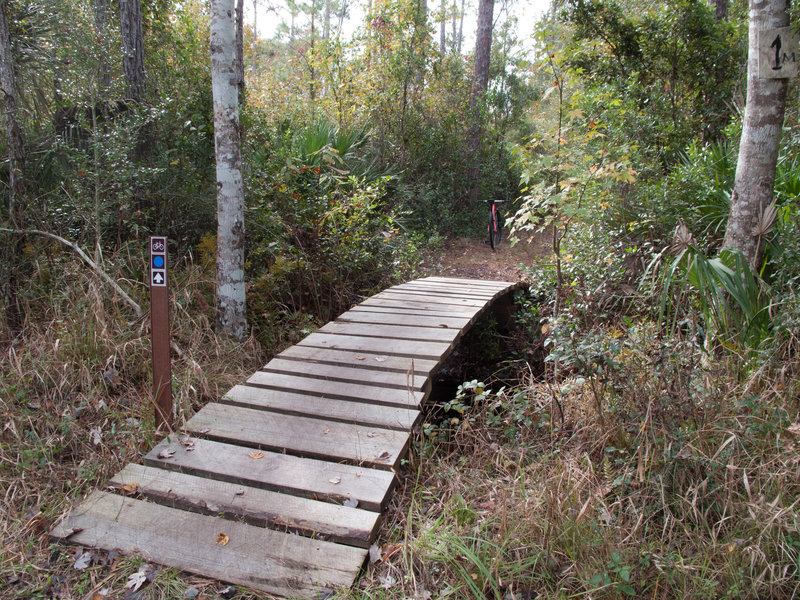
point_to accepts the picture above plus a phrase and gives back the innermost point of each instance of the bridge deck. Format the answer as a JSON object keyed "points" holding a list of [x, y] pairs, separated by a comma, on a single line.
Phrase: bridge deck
{"points": [[294, 468]]}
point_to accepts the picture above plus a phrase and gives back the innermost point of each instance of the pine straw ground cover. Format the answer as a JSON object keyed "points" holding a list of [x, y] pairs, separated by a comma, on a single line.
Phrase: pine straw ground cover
{"points": [[684, 484]]}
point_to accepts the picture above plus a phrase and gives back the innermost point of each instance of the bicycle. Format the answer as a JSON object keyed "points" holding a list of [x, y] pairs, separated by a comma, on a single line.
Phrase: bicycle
{"points": [[495, 223]]}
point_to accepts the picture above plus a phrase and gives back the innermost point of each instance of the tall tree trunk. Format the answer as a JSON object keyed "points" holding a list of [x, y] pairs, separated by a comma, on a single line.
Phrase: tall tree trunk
{"points": [[455, 27], [240, 49], [326, 26], [753, 189], [130, 21], [101, 31], [720, 8], [480, 81], [443, 29], [231, 315], [14, 312], [342, 11], [461, 27]]}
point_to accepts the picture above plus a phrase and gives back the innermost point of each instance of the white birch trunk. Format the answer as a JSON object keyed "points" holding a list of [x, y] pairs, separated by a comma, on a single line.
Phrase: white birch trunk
{"points": [[231, 316], [761, 135]]}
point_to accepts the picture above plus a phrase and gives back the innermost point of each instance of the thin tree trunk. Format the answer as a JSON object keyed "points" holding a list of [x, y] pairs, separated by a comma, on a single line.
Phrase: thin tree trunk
{"points": [[753, 189], [342, 12], [461, 27], [130, 21], [455, 27], [14, 312], [480, 81], [231, 315], [720, 9], [443, 29], [240, 50], [326, 26], [101, 31]]}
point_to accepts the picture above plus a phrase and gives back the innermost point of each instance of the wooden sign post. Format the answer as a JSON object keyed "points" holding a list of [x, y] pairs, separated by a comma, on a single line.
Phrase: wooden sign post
{"points": [[159, 331]]}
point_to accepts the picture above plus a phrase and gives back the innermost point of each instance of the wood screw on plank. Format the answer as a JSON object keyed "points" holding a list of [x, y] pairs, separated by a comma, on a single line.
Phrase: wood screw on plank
{"points": [[159, 331]]}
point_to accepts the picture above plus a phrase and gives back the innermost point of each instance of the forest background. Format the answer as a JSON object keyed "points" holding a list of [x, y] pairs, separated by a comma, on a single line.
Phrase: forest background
{"points": [[634, 435]]}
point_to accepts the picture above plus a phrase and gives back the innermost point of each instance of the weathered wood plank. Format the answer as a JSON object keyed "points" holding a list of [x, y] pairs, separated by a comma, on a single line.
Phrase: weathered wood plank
{"points": [[303, 436], [445, 290], [468, 316], [404, 398], [384, 362], [487, 282], [430, 299], [460, 284], [262, 508], [342, 373], [272, 561], [364, 413], [393, 332], [355, 316], [425, 350], [298, 476], [405, 303]]}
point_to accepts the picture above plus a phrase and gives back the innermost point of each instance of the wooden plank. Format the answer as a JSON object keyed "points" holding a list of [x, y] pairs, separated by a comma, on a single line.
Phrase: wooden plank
{"points": [[488, 282], [430, 299], [445, 290], [272, 561], [356, 375], [298, 476], [355, 316], [370, 360], [303, 436], [468, 316], [411, 304], [364, 413], [425, 350], [393, 332], [404, 398], [262, 508]]}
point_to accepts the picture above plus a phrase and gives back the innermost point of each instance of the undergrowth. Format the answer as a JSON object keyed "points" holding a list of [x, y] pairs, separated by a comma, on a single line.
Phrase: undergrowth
{"points": [[685, 486]]}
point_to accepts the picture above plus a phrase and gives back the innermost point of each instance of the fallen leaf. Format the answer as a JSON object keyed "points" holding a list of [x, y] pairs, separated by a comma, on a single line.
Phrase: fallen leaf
{"points": [[190, 449], [327, 431], [166, 453], [101, 595], [83, 560], [255, 455], [374, 553], [239, 492], [131, 488], [223, 539], [351, 502], [385, 456], [380, 358], [360, 357], [335, 480], [371, 434], [136, 580], [443, 325], [387, 581], [794, 429], [358, 473], [205, 430], [96, 435], [187, 441]]}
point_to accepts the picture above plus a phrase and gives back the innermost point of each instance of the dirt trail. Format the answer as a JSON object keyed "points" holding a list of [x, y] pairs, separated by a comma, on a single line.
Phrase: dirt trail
{"points": [[474, 258]]}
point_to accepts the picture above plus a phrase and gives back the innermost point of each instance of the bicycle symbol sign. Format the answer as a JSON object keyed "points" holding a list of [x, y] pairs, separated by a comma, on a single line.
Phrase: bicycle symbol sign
{"points": [[158, 245]]}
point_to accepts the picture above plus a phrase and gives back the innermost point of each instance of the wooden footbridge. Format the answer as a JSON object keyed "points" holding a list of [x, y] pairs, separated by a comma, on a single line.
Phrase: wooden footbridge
{"points": [[280, 485]]}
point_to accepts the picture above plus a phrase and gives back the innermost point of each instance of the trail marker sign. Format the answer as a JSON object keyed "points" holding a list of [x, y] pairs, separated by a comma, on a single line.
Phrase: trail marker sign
{"points": [[159, 331], [778, 51]]}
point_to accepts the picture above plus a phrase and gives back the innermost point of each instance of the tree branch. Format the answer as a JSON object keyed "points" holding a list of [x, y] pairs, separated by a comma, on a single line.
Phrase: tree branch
{"points": [[100, 272]]}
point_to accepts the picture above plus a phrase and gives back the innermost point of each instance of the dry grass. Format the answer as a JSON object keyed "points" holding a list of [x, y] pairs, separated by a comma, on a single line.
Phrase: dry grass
{"points": [[688, 489], [75, 403]]}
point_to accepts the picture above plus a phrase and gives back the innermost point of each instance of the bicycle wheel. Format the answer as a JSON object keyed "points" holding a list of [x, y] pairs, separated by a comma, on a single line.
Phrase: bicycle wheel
{"points": [[494, 230]]}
